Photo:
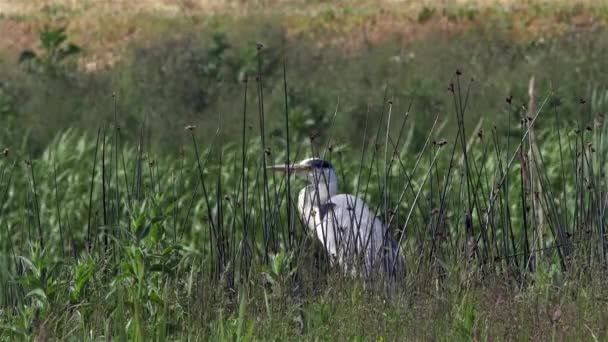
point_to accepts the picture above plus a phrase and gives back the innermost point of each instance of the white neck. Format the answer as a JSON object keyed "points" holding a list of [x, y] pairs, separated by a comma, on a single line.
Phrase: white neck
{"points": [[320, 190]]}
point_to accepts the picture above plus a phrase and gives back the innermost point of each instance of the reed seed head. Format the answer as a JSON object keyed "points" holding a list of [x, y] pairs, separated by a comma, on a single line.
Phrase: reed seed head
{"points": [[190, 127], [440, 142]]}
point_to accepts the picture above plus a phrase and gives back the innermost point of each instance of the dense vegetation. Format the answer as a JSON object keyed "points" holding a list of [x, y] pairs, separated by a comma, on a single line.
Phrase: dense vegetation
{"points": [[153, 216], [179, 71]]}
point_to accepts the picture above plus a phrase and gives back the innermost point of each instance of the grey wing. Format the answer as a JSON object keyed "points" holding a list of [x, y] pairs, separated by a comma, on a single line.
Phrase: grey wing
{"points": [[357, 237]]}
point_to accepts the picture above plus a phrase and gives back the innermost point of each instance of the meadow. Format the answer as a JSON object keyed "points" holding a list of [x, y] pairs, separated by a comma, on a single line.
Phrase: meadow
{"points": [[135, 203]]}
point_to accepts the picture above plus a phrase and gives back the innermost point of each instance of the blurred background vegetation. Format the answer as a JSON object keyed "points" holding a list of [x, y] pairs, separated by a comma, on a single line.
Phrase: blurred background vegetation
{"points": [[102, 238], [176, 63]]}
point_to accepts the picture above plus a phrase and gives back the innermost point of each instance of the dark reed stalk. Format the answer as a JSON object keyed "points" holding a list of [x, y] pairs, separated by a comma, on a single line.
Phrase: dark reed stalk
{"points": [[480, 172], [129, 204], [115, 154], [504, 172], [386, 164], [395, 155], [472, 195], [212, 228], [61, 236], [89, 233], [104, 194], [220, 241], [531, 185], [564, 196], [289, 213], [175, 210], [196, 185], [27, 210], [519, 146], [549, 210], [36, 203], [371, 165], [244, 261], [524, 204], [407, 176], [409, 185], [267, 231], [443, 200], [138, 173], [458, 107], [4, 198], [409, 214], [600, 186]]}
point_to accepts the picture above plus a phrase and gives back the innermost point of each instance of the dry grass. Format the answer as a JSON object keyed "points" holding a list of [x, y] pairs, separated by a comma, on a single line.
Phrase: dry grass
{"points": [[185, 7], [107, 27]]}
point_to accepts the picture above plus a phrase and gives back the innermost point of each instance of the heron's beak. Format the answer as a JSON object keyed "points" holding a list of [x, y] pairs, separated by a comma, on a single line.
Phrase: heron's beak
{"points": [[293, 169]]}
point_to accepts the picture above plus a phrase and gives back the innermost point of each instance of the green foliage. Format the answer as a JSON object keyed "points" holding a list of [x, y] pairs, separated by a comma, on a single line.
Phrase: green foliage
{"points": [[238, 328], [195, 77], [56, 50], [84, 271], [465, 319], [115, 237], [426, 13], [152, 251]]}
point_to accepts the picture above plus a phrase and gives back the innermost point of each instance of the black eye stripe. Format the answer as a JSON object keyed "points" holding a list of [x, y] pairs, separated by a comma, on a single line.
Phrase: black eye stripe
{"points": [[320, 163]]}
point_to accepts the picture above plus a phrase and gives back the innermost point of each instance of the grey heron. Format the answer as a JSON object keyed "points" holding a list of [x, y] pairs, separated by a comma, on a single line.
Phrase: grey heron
{"points": [[350, 232]]}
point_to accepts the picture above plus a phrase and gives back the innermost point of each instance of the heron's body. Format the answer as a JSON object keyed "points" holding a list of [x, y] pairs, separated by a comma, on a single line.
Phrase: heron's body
{"points": [[349, 231]]}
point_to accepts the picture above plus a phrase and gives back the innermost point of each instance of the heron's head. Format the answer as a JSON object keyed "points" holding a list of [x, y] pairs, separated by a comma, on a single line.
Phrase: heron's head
{"points": [[317, 172]]}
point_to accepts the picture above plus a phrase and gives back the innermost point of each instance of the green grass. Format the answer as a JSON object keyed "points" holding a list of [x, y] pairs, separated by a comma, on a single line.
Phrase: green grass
{"points": [[172, 72], [118, 223], [103, 238]]}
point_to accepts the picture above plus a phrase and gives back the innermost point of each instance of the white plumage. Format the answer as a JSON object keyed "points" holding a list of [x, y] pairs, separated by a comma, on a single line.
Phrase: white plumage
{"points": [[350, 232]]}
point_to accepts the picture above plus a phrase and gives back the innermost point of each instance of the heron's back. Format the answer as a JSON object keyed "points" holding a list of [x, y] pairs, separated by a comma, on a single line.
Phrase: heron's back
{"points": [[353, 234]]}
